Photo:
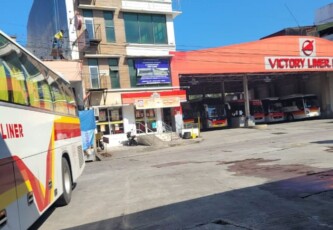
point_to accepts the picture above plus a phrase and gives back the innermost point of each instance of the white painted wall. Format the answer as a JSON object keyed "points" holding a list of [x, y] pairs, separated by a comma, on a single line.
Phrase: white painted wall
{"points": [[170, 31], [149, 50], [151, 5], [129, 118]]}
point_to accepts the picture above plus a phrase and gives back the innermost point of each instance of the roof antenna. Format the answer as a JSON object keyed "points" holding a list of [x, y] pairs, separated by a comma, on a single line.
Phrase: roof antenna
{"points": [[291, 13]]}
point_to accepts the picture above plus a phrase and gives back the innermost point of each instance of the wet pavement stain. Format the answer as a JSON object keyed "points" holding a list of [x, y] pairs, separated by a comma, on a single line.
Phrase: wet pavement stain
{"points": [[176, 163], [257, 167], [294, 180]]}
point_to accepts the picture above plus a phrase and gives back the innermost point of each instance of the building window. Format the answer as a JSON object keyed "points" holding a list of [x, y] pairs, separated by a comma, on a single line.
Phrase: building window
{"points": [[110, 121], [109, 26], [145, 28], [89, 23], [114, 73], [94, 73]]}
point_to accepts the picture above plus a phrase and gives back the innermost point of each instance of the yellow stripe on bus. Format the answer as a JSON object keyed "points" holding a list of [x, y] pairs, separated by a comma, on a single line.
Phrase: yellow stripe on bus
{"points": [[63, 119]]}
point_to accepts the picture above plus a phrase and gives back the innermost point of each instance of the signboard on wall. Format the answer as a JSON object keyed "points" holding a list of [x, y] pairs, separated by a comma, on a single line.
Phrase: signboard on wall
{"points": [[152, 71], [306, 60], [153, 103]]}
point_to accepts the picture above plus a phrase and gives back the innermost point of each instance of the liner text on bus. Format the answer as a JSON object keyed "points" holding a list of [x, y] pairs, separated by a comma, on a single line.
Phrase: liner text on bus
{"points": [[9, 131]]}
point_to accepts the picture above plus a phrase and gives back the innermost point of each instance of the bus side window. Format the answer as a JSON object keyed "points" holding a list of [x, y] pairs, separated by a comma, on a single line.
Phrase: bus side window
{"points": [[16, 85], [39, 91], [299, 104], [58, 96], [3, 84], [70, 99]]}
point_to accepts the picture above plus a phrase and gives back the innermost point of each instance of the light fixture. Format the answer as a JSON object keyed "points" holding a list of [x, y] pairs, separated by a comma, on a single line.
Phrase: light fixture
{"points": [[267, 79], [193, 81]]}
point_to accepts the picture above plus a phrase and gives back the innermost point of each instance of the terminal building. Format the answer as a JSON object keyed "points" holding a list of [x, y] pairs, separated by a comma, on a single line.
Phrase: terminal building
{"points": [[276, 66]]}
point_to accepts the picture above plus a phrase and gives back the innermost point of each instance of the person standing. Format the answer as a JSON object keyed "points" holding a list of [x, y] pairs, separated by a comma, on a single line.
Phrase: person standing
{"points": [[57, 44]]}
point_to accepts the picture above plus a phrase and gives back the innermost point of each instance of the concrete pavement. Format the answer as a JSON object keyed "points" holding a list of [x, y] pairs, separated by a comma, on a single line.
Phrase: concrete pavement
{"points": [[274, 178]]}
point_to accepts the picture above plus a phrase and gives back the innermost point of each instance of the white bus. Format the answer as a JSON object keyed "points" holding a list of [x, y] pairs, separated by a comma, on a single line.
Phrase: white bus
{"points": [[300, 106], [40, 139]]}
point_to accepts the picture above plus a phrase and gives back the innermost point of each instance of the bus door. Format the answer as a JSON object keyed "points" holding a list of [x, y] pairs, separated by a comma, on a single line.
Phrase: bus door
{"points": [[33, 194], [9, 214], [273, 110], [215, 116], [257, 111], [188, 113]]}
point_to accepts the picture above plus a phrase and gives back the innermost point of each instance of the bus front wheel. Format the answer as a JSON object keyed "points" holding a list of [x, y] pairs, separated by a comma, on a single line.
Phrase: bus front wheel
{"points": [[67, 184]]}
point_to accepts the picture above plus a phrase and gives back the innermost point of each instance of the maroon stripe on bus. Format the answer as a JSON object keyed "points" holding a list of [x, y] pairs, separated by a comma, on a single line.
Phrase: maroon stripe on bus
{"points": [[7, 178]]}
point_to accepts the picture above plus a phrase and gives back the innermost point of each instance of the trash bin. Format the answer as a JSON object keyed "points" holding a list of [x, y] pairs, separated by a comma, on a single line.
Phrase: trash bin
{"points": [[187, 135]]}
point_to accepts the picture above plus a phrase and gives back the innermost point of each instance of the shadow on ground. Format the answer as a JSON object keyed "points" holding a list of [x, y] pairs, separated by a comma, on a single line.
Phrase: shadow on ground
{"points": [[302, 202]]}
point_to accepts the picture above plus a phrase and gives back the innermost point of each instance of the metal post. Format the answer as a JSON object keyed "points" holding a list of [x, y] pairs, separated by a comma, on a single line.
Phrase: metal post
{"points": [[246, 101]]}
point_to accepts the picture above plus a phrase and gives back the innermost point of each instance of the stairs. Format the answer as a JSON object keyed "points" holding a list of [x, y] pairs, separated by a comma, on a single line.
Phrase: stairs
{"points": [[158, 139]]}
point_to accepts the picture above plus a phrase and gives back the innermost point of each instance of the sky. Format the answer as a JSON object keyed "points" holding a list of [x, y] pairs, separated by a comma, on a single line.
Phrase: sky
{"points": [[203, 23]]}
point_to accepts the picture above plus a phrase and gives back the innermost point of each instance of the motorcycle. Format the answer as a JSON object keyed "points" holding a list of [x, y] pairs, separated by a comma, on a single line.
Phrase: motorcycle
{"points": [[99, 140], [101, 144], [131, 139]]}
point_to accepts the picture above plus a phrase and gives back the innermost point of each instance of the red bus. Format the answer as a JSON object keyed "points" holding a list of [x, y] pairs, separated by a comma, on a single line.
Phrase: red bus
{"points": [[273, 109], [237, 108], [211, 111]]}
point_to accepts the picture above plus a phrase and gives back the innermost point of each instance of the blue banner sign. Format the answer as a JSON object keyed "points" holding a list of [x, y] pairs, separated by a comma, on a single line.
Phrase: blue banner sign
{"points": [[88, 126], [152, 71]]}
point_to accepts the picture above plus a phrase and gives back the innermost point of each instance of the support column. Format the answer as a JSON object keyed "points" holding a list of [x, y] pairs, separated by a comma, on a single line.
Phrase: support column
{"points": [[223, 91], [246, 101], [159, 123]]}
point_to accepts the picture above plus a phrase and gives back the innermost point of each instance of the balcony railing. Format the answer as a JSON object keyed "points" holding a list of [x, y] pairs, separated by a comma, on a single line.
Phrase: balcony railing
{"points": [[86, 2], [89, 38], [102, 81]]}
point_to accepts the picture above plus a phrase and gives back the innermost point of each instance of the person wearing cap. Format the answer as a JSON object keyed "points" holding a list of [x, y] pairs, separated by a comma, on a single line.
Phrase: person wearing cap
{"points": [[58, 39], [57, 43]]}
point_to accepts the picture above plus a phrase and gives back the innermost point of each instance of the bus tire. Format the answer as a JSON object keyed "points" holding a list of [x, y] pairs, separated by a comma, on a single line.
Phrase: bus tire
{"points": [[67, 184], [290, 117]]}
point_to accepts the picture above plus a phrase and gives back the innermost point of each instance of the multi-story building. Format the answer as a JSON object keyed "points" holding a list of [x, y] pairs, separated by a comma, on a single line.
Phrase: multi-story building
{"points": [[125, 50]]}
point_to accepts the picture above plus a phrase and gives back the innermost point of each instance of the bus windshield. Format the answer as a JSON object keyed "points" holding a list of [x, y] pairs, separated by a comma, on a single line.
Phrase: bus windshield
{"points": [[215, 111], [256, 109], [310, 102], [275, 107]]}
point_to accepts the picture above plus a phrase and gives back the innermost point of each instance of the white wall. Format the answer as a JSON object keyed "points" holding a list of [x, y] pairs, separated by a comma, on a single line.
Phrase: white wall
{"points": [[129, 118], [161, 5]]}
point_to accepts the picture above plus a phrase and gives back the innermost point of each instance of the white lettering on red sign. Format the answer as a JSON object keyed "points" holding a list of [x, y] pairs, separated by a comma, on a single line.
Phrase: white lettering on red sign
{"points": [[9, 131], [285, 63]]}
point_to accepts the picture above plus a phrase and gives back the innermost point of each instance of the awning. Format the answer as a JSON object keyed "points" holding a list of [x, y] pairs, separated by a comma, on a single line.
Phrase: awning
{"points": [[70, 70]]}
